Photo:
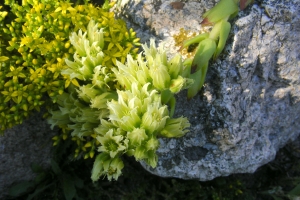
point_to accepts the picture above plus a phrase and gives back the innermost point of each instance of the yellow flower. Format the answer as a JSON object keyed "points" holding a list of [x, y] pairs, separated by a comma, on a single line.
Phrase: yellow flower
{"points": [[56, 68], [122, 55], [20, 94], [9, 95], [114, 39], [110, 56], [64, 7], [36, 74], [15, 73]]}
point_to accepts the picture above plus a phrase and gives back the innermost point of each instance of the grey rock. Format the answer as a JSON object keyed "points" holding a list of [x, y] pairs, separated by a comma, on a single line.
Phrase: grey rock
{"points": [[249, 106], [20, 147]]}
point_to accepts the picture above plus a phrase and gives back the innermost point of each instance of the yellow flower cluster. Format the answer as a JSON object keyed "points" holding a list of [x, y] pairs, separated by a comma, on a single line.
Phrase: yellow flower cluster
{"points": [[34, 44]]}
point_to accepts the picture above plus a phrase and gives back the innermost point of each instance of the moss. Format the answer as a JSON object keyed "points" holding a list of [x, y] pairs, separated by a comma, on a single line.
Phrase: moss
{"points": [[182, 36]]}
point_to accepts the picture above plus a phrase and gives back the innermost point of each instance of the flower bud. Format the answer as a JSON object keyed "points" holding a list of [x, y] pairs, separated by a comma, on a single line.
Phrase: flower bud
{"points": [[175, 66], [155, 117], [175, 127], [177, 84], [137, 136], [152, 144], [101, 160], [161, 77], [151, 158], [114, 170]]}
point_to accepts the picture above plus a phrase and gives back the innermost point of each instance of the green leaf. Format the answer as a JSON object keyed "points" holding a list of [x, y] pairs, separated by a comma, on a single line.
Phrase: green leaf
{"points": [[36, 168], [20, 188], [3, 58], [276, 198], [196, 39], [295, 191], [68, 187], [40, 177], [199, 78], [204, 53], [223, 35], [38, 190], [78, 182], [55, 167], [222, 10]]}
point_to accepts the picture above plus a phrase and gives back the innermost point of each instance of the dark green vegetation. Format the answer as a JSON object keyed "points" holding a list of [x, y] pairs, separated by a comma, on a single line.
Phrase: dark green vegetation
{"points": [[280, 179]]}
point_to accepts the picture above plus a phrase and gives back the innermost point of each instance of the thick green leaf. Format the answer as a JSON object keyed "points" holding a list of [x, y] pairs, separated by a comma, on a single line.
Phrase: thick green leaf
{"points": [[196, 39], [199, 78], [55, 167], [68, 187], [204, 53], [224, 32], [78, 182], [20, 188], [295, 191], [222, 10], [38, 190]]}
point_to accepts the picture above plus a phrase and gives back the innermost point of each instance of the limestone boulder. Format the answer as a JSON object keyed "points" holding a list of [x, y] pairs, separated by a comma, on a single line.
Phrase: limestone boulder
{"points": [[20, 147], [249, 106]]}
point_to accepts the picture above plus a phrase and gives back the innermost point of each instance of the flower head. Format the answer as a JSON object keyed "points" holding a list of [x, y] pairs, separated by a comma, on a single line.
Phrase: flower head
{"points": [[112, 144], [104, 165], [137, 137], [175, 127]]}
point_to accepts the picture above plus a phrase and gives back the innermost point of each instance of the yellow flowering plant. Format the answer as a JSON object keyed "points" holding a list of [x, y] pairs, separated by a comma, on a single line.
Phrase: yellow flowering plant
{"points": [[34, 43]]}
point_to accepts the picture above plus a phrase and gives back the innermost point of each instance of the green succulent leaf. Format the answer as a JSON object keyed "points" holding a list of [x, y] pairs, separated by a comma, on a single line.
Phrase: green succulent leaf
{"points": [[224, 32], [199, 78], [21, 188], [204, 53], [196, 39], [68, 186], [223, 10]]}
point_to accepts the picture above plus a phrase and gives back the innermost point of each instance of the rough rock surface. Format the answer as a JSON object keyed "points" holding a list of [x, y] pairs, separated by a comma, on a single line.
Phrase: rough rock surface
{"points": [[21, 146], [250, 104]]}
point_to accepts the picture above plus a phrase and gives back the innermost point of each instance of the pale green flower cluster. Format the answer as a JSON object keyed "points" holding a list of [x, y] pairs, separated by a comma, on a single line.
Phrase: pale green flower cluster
{"points": [[90, 86], [168, 77], [112, 111], [140, 115], [88, 53]]}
